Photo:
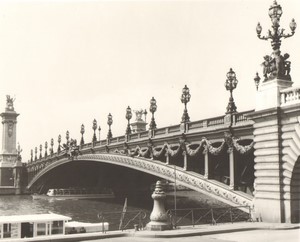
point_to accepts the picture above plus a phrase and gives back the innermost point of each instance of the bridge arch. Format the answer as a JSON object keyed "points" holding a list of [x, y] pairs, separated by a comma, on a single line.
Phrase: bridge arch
{"points": [[190, 180], [291, 171]]}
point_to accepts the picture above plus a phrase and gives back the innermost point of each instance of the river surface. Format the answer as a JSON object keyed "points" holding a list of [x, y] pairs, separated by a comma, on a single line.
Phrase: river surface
{"points": [[78, 210], [88, 210]]}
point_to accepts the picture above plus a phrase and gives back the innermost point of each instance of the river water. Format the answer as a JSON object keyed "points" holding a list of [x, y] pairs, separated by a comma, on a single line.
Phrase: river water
{"points": [[78, 210], [88, 210]]}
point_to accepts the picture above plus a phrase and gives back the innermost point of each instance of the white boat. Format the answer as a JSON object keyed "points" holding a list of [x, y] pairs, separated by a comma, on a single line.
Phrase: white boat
{"points": [[45, 227], [76, 193], [31, 226]]}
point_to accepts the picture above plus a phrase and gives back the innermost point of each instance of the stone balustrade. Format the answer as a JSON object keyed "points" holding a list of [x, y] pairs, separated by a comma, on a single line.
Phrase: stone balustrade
{"points": [[196, 126], [290, 96]]}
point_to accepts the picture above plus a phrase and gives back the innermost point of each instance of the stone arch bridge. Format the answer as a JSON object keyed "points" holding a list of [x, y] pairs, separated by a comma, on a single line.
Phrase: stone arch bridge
{"points": [[248, 159], [207, 158]]}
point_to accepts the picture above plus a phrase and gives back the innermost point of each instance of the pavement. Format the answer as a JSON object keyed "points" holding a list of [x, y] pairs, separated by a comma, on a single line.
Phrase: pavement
{"points": [[237, 232]]}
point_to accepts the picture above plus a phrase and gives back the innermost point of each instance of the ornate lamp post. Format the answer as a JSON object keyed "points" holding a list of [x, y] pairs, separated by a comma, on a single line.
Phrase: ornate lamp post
{"points": [[94, 128], [145, 113], [99, 129], [152, 109], [31, 155], [185, 98], [276, 65], [51, 143], [67, 137], [230, 84], [128, 117], [109, 122], [275, 12], [82, 130], [46, 147], [41, 148], [256, 80], [35, 152], [58, 140]]}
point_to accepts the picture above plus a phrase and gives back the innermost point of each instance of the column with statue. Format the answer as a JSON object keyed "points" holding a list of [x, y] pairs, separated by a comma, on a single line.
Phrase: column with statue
{"points": [[9, 157], [272, 201], [276, 66]]}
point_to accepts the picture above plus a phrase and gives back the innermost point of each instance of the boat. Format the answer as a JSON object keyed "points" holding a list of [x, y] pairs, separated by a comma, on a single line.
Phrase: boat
{"points": [[76, 193], [45, 227]]}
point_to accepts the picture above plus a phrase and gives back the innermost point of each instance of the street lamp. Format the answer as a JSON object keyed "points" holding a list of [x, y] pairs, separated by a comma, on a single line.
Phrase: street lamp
{"points": [[46, 147], [35, 152], [109, 122], [94, 128], [99, 129], [82, 130], [275, 12], [41, 148], [52, 144], [145, 113], [58, 140], [185, 98], [256, 80], [31, 155], [152, 109], [67, 137], [128, 117], [230, 84]]}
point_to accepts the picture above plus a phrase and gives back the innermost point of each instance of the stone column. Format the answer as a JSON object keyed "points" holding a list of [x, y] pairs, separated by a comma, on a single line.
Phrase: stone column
{"points": [[167, 158], [185, 164], [231, 169], [269, 195], [268, 94], [205, 152], [159, 218], [268, 172], [8, 154]]}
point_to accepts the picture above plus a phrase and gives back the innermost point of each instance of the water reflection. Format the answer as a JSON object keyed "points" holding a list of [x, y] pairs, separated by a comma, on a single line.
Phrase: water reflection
{"points": [[80, 210]]}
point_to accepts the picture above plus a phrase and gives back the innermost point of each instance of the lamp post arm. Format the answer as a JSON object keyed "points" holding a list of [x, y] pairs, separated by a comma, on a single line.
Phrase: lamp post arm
{"points": [[287, 35], [264, 37]]}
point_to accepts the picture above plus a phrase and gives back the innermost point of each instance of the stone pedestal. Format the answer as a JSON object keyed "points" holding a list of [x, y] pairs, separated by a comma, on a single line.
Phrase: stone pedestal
{"points": [[158, 216], [17, 171], [10, 165], [138, 126], [268, 94], [273, 130]]}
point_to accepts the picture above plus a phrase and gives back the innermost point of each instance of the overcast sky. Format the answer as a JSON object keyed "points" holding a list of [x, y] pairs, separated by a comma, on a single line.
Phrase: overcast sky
{"points": [[68, 62]]}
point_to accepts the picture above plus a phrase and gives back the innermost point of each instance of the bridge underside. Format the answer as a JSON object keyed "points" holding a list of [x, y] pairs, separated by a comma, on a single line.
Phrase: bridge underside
{"points": [[111, 170]]}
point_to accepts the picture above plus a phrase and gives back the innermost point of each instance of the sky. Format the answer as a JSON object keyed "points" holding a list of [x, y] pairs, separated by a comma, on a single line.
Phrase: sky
{"points": [[70, 62]]}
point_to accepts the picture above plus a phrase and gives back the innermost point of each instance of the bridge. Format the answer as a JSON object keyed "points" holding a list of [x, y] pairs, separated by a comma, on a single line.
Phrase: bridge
{"points": [[241, 158], [206, 156], [247, 158]]}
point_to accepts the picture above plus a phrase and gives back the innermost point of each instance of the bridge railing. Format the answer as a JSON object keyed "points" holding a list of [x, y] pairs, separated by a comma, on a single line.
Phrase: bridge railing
{"points": [[134, 219], [196, 216], [290, 96], [138, 219], [196, 126]]}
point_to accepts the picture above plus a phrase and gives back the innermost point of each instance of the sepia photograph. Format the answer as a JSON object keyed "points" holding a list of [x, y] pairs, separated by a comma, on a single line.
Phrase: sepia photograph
{"points": [[150, 120]]}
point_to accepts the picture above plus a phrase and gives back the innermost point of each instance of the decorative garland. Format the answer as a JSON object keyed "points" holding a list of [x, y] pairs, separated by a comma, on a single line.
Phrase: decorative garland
{"points": [[242, 149], [157, 153], [215, 150], [173, 152], [183, 146]]}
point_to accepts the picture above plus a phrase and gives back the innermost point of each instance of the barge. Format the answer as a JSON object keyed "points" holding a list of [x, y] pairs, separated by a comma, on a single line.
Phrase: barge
{"points": [[44, 227]]}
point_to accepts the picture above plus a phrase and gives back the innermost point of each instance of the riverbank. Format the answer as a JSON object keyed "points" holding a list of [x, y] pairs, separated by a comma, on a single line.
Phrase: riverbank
{"points": [[238, 231]]}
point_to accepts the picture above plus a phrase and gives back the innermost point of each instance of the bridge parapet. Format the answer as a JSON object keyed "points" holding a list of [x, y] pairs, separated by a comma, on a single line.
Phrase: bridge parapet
{"points": [[201, 128], [207, 148], [290, 96]]}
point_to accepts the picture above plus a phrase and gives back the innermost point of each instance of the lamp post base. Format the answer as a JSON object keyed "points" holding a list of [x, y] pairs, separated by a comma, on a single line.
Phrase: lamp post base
{"points": [[158, 226]]}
